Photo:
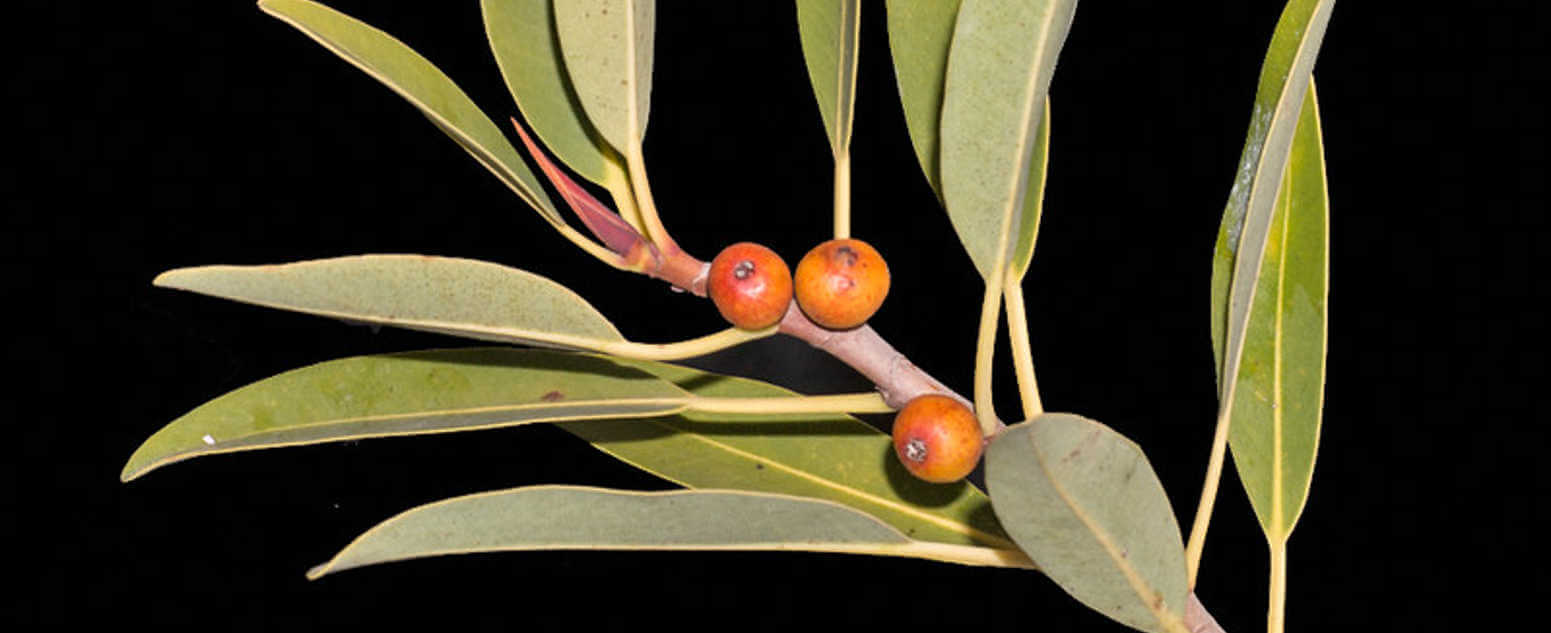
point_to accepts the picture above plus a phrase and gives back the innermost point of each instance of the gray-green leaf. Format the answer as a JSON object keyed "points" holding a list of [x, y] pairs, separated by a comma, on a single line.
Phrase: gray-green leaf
{"points": [[1033, 202], [920, 34], [607, 46], [527, 49], [829, 29], [1085, 505], [577, 517], [448, 295], [1275, 425], [999, 68], [408, 394], [405, 72]]}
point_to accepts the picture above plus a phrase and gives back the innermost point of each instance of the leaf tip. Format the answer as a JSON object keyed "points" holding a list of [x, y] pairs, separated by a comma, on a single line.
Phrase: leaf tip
{"points": [[135, 467], [176, 278], [320, 570]]}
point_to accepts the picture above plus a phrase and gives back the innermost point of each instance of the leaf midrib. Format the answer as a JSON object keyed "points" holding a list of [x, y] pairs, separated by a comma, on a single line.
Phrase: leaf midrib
{"points": [[845, 76], [1234, 345], [244, 442], [1139, 585]]}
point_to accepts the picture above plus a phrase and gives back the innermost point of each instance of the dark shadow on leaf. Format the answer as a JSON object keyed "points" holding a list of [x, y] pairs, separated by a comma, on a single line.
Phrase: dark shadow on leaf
{"points": [[549, 360], [700, 381], [797, 425], [914, 490]]}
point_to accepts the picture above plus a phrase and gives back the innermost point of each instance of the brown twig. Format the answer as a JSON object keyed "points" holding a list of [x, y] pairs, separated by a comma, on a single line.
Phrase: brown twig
{"points": [[896, 378], [1197, 619]]}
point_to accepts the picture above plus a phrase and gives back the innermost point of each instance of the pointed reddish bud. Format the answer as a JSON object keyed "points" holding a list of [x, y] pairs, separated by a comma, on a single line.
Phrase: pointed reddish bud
{"points": [[605, 224]]}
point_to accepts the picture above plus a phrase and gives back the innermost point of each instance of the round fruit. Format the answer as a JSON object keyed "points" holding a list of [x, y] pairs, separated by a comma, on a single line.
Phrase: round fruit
{"points": [[841, 283], [937, 438], [750, 285]]}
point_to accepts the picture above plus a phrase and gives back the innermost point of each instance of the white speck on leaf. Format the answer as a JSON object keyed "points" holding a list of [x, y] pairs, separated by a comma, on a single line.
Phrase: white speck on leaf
{"points": [[209, 441]]}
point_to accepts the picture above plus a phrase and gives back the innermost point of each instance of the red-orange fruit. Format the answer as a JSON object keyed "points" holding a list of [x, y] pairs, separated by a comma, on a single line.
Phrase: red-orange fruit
{"points": [[937, 438], [841, 283], [750, 285]]}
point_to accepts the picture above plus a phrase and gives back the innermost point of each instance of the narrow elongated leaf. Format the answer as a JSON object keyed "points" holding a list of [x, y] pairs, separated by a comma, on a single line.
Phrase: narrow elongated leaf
{"points": [[607, 45], [920, 33], [1246, 223], [1276, 418], [405, 72], [829, 30], [999, 69], [1086, 506], [527, 49], [577, 517], [408, 394], [832, 457], [462, 297]]}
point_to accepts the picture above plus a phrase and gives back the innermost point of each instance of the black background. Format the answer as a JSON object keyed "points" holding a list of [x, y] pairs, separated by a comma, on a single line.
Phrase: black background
{"points": [[168, 134]]}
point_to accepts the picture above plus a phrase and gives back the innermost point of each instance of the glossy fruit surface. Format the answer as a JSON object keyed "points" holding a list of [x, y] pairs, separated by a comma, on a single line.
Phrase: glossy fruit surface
{"points": [[937, 438], [841, 283], [750, 285]]}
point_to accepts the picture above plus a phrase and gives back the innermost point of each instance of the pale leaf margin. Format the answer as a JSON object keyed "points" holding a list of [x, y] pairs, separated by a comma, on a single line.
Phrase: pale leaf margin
{"points": [[483, 140], [1014, 478], [448, 520], [526, 47], [829, 31], [985, 176], [604, 337], [1285, 77]]}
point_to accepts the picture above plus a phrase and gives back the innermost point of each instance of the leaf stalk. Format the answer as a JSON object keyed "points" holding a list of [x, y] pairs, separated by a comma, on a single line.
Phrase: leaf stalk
{"points": [[1022, 354]]}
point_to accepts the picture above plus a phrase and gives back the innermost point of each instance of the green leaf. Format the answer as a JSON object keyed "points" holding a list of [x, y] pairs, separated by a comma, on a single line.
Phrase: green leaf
{"points": [[607, 46], [920, 33], [1033, 202], [461, 297], [1085, 505], [999, 70], [405, 72], [577, 517], [527, 49], [832, 457], [408, 394], [829, 29], [1246, 223], [1276, 413]]}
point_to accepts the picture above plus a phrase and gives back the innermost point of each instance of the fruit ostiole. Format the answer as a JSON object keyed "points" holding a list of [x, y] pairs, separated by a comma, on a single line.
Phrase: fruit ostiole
{"points": [[896, 378]]}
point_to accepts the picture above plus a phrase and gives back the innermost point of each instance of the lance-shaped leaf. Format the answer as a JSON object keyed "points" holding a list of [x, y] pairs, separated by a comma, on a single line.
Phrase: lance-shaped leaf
{"points": [[832, 457], [409, 394], [527, 48], [1002, 58], [405, 72], [1086, 506], [920, 33], [449, 295], [607, 45], [829, 30], [446, 295], [577, 517], [1281, 384], [1246, 224]]}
